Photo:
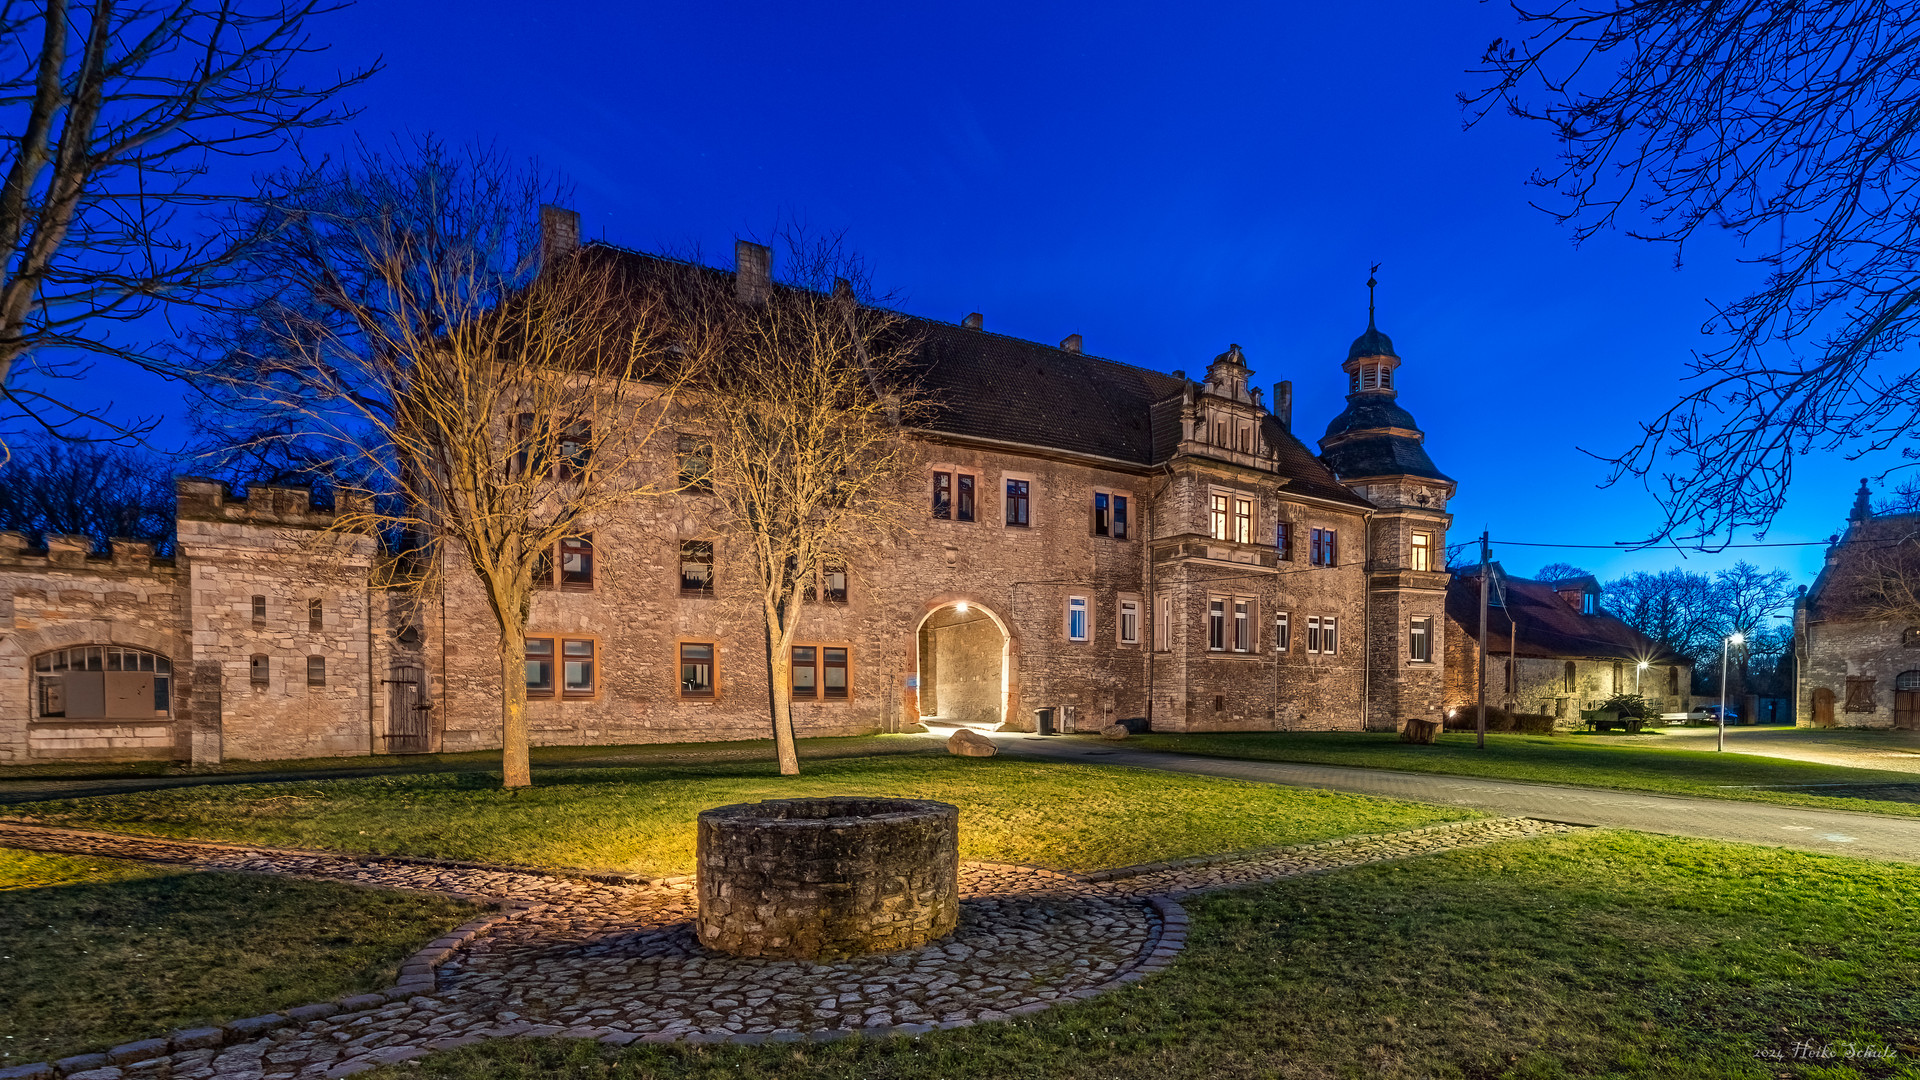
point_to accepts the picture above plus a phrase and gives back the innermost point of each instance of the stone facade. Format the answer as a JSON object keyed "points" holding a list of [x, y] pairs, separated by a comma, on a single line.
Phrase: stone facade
{"points": [[1115, 544], [1858, 661]]}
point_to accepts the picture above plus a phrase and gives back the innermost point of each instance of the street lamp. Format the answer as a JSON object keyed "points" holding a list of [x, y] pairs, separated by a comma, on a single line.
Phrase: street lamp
{"points": [[1735, 638], [1637, 670]]}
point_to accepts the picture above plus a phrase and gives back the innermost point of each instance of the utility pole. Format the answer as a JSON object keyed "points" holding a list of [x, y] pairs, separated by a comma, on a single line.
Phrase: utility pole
{"points": [[1480, 728]]}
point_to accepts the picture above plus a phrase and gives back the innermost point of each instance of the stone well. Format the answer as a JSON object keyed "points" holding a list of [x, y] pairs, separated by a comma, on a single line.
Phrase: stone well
{"points": [[822, 879]]}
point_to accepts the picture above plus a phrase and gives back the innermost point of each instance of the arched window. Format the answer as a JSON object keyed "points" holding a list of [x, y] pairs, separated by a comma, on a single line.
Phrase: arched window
{"points": [[102, 682], [1569, 677], [1907, 681], [1673, 679], [1619, 675]]}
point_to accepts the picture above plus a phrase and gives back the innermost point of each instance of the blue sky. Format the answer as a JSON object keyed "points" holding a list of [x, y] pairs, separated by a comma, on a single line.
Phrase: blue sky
{"points": [[1162, 180]]}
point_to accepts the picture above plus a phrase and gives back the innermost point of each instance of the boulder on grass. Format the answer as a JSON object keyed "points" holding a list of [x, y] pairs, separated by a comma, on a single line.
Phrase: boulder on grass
{"points": [[1420, 732], [969, 743], [1115, 732]]}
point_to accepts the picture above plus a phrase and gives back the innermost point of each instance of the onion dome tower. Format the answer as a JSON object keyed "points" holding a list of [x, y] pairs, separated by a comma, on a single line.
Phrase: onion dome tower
{"points": [[1377, 450]]}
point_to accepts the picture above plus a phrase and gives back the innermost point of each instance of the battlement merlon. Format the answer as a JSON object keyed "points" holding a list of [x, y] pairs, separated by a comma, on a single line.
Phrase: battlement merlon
{"points": [[200, 499]]}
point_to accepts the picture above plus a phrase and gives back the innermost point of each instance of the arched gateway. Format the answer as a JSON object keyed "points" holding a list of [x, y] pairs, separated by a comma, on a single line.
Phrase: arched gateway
{"points": [[966, 662]]}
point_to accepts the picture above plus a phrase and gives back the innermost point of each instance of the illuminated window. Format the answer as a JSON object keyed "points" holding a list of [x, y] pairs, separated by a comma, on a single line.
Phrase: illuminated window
{"points": [[1422, 551], [1217, 517], [1243, 521]]}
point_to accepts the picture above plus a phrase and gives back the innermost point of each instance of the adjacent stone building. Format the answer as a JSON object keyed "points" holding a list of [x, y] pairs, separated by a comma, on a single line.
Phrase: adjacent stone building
{"points": [[1857, 628], [1100, 542], [1552, 649]]}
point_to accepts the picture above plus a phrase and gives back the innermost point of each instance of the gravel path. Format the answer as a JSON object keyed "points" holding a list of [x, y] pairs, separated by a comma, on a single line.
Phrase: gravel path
{"points": [[615, 959]]}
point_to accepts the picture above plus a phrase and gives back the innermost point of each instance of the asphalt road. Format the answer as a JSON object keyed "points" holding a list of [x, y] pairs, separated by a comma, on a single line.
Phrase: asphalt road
{"points": [[1837, 832]]}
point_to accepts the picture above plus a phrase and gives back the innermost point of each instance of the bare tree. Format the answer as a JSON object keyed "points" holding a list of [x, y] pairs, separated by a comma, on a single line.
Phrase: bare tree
{"points": [[1559, 571], [484, 404], [88, 489], [116, 112], [1678, 609], [1790, 125], [802, 391]]}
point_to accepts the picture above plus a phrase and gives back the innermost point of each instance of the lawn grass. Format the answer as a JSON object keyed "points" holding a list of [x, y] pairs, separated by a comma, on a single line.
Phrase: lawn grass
{"points": [[641, 820], [1598, 953], [96, 952], [1633, 764]]}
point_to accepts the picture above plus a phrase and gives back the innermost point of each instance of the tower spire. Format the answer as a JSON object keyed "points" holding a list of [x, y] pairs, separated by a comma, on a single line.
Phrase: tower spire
{"points": [[1374, 270]]}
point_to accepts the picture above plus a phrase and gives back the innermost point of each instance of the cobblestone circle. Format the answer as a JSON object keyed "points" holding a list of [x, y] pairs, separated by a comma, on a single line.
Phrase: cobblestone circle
{"points": [[615, 959]]}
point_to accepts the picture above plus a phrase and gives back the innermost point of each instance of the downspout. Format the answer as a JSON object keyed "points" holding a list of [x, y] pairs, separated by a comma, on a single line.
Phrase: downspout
{"points": [[371, 684], [1366, 625]]}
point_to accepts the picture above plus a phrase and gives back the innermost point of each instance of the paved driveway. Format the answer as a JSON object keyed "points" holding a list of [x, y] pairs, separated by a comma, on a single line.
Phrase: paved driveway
{"points": [[1894, 751], [1834, 831]]}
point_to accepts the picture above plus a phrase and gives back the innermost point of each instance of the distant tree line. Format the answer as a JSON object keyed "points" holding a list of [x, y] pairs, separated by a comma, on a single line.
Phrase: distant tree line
{"points": [[97, 490]]}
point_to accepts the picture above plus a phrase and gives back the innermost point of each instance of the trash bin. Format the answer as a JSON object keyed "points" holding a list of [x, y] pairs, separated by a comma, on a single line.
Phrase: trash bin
{"points": [[1043, 721]]}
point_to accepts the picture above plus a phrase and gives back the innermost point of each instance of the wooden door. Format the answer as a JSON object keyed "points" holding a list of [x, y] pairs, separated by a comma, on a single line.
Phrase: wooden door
{"points": [[409, 727], [1906, 709], [1823, 707]]}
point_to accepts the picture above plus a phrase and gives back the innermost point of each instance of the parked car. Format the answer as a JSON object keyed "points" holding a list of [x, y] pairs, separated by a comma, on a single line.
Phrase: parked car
{"points": [[1711, 714]]}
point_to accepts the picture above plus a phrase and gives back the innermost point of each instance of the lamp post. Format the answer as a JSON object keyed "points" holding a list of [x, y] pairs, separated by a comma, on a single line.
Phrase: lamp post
{"points": [[1735, 638], [1637, 670]]}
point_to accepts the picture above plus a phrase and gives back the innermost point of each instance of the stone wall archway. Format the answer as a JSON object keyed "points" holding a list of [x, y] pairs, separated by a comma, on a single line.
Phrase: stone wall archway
{"points": [[967, 660]]}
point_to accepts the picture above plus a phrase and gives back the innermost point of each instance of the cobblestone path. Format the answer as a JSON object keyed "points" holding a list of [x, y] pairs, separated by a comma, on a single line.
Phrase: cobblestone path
{"points": [[615, 959]]}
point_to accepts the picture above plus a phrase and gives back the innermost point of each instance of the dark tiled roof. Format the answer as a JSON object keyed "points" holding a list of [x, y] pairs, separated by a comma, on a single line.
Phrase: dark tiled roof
{"points": [[992, 386], [1306, 474], [1887, 544], [1542, 623], [1382, 455]]}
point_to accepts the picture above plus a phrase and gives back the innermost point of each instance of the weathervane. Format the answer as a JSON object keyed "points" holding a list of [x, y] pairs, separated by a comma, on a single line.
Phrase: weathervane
{"points": [[1375, 269]]}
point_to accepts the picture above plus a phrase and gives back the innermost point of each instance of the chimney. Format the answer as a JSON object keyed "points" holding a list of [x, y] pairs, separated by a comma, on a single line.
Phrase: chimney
{"points": [[972, 321], [1071, 343], [752, 271], [559, 235], [1283, 403]]}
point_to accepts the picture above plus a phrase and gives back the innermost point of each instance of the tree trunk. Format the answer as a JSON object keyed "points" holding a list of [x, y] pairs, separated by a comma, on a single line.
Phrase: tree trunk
{"points": [[780, 685], [516, 766]]}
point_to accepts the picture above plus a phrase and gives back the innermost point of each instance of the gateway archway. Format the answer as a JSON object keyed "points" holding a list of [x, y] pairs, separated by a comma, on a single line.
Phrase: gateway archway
{"points": [[965, 662]]}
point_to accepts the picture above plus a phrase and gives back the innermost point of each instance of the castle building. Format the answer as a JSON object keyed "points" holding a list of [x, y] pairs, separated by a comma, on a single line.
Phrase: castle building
{"points": [[1856, 629], [1098, 542]]}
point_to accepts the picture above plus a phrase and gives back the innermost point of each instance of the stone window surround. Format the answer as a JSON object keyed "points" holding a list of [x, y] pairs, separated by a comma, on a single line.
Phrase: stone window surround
{"points": [[817, 593], [1120, 602], [1317, 625], [953, 492], [1066, 618], [1033, 499], [719, 688], [1162, 624], [819, 671], [1282, 632], [679, 571], [316, 614], [1233, 495], [1424, 625], [1132, 527], [316, 672], [548, 575], [258, 609], [1420, 550], [559, 692], [1228, 604]]}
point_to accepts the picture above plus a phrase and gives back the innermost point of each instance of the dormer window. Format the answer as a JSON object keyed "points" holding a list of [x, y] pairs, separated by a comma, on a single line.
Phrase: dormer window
{"points": [[1587, 603]]}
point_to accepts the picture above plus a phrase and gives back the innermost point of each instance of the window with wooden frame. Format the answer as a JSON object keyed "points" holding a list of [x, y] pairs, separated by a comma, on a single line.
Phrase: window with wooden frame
{"points": [[1420, 552], [1242, 519], [1242, 625], [316, 615], [1217, 625], [942, 496], [1019, 503], [539, 667], [833, 578], [1859, 695], [1217, 521], [696, 568], [576, 563], [1163, 623], [1420, 640], [259, 609], [577, 675], [1128, 629], [574, 451], [1283, 540], [698, 669], [963, 496], [1282, 632], [1323, 547], [820, 673], [1078, 617], [259, 670], [954, 495], [693, 457], [316, 671], [543, 569], [1110, 517]]}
